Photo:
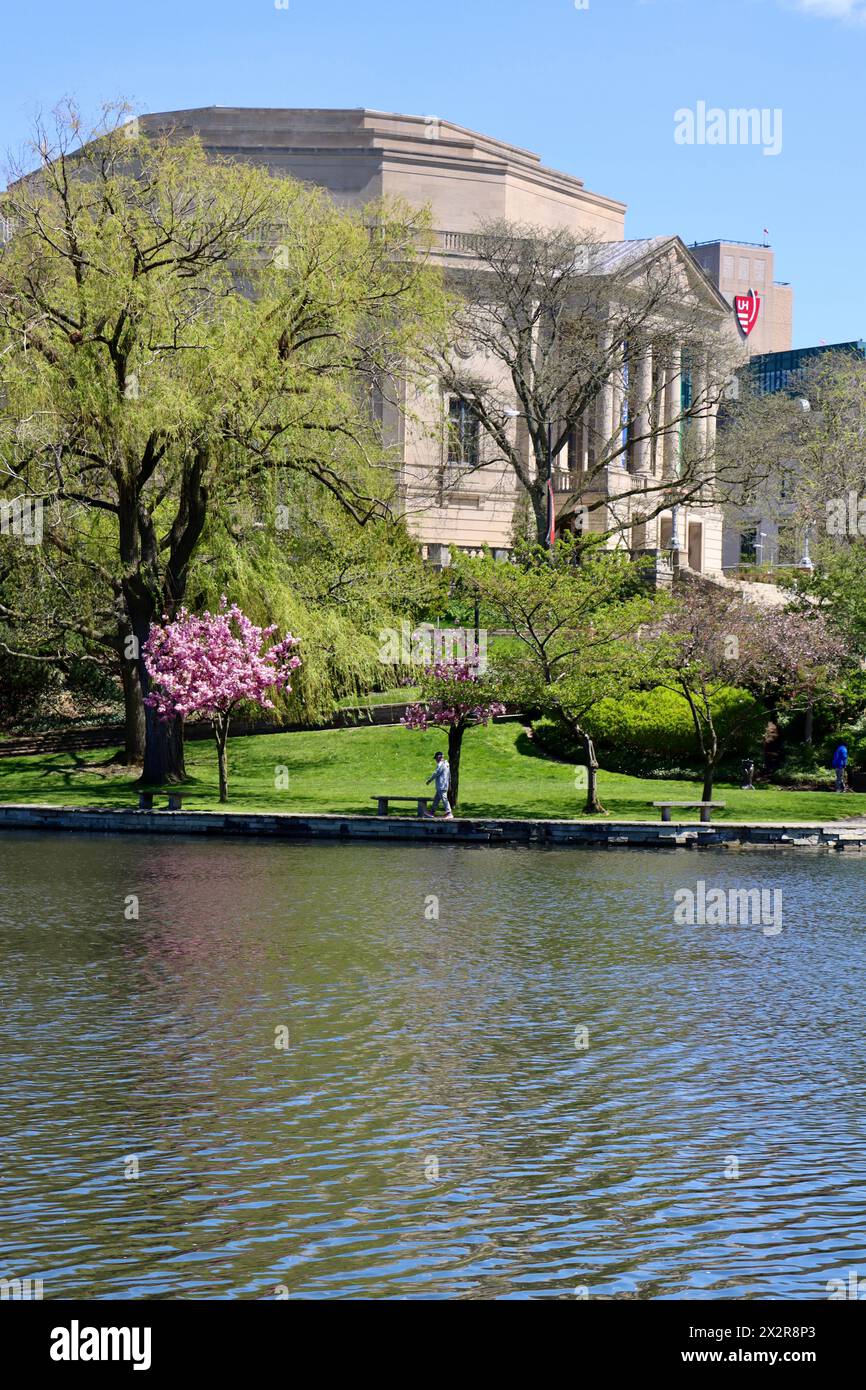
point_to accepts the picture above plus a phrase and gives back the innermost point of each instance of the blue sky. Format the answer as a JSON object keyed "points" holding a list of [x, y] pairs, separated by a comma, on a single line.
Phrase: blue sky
{"points": [[592, 88]]}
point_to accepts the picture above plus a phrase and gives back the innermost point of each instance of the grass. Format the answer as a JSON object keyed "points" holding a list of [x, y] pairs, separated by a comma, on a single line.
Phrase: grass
{"points": [[502, 774], [399, 695]]}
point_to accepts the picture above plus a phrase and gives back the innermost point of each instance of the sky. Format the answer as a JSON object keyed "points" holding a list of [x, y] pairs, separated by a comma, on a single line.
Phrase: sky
{"points": [[597, 88]]}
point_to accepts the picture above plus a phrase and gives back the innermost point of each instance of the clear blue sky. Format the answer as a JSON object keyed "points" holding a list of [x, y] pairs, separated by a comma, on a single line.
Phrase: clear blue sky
{"points": [[592, 90]]}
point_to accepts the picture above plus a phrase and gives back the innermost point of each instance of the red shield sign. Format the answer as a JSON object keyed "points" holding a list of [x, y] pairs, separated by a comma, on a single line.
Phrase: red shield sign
{"points": [[747, 307]]}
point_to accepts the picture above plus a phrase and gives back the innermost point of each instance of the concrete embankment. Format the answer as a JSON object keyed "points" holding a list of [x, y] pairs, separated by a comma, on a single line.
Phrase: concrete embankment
{"points": [[483, 831]]}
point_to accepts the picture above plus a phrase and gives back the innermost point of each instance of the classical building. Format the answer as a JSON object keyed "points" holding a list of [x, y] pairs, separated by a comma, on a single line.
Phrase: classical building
{"points": [[464, 177]]}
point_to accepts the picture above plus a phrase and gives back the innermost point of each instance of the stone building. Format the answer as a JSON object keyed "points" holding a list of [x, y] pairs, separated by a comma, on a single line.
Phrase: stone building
{"points": [[464, 177]]}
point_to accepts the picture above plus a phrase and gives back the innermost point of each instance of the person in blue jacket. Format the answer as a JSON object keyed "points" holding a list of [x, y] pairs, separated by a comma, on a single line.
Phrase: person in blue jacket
{"points": [[840, 762]]}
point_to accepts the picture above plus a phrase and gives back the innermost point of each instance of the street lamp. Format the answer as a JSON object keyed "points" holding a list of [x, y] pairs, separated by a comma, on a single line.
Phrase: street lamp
{"points": [[676, 544]]}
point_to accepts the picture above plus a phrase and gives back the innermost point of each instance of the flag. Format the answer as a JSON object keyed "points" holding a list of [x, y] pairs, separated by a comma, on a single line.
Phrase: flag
{"points": [[551, 515]]}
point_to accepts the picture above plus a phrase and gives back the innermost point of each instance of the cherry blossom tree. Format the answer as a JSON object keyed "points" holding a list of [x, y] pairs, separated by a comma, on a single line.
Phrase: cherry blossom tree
{"points": [[454, 696], [204, 667]]}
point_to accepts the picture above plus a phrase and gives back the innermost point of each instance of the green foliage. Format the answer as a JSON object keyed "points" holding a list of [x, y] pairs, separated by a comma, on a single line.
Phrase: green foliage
{"points": [[569, 614], [339, 771], [192, 354], [652, 731]]}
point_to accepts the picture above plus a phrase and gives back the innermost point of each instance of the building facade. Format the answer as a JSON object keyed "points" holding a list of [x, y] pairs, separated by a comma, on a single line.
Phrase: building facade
{"points": [[759, 537], [450, 494], [738, 267]]}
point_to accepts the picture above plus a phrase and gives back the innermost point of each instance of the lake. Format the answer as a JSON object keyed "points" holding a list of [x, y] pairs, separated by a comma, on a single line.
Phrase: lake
{"points": [[258, 1070]]}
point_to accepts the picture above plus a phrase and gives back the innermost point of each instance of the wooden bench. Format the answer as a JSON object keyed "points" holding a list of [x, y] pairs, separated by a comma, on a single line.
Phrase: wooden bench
{"points": [[382, 803], [705, 807], [145, 801]]}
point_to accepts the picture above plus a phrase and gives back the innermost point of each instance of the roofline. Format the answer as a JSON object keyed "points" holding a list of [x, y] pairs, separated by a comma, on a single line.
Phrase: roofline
{"points": [[515, 154], [721, 241]]}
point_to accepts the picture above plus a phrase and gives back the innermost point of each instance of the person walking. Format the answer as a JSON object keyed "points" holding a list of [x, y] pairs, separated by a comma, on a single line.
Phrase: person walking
{"points": [[441, 775], [840, 763]]}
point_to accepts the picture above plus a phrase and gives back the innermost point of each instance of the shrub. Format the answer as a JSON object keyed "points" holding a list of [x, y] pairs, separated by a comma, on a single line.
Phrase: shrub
{"points": [[651, 731]]}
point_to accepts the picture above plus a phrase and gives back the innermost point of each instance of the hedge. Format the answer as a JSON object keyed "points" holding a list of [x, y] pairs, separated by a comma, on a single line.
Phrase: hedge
{"points": [[652, 731]]}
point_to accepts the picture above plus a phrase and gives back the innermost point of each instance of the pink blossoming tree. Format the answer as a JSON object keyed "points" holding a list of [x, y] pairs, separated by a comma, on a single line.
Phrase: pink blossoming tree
{"points": [[204, 667], [455, 697]]}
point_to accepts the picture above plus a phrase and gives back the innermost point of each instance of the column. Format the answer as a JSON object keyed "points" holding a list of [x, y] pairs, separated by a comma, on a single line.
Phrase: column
{"points": [[604, 401], [616, 409], [712, 418], [660, 404], [673, 390], [643, 393], [699, 402]]}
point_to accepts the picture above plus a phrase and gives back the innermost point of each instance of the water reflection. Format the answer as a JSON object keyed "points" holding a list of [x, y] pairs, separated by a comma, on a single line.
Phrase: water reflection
{"points": [[432, 1129]]}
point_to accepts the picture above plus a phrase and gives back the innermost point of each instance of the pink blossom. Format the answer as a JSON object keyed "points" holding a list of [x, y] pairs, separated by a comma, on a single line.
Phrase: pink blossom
{"points": [[454, 696], [204, 666]]}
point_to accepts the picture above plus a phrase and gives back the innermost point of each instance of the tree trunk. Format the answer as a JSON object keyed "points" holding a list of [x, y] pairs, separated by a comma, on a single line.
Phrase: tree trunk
{"points": [[709, 778], [163, 738], [133, 713], [809, 724], [593, 806], [163, 753], [455, 742], [538, 498], [221, 733]]}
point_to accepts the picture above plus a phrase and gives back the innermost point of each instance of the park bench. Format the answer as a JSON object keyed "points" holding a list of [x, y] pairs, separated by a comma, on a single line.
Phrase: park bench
{"points": [[705, 807], [382, 803], [145, 801]]}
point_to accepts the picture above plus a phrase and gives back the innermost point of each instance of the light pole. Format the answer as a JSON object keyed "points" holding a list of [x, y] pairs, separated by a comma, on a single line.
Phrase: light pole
{"points": [[675, 529]]}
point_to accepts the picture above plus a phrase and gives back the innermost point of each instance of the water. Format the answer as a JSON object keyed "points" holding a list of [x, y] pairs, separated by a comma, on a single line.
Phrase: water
{"points": [[432, 1129]]}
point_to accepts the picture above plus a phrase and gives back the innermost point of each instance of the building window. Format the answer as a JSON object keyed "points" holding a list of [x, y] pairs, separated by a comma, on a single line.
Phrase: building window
{"points": [[749, 547], [728, 267], [463, 433], [758, 268], [744, 269]]}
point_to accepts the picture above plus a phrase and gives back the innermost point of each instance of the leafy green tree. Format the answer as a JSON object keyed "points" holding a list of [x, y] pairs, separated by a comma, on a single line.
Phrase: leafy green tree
{"points": [[570, 625], [173, 332]]}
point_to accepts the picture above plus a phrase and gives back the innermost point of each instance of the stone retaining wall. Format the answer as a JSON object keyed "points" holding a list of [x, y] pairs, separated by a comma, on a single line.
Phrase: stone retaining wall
{"points": [[645, 834]]}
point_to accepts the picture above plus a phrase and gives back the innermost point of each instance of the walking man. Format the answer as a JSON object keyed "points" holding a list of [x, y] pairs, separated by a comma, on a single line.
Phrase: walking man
{"points": [[442, 777], [840, 763]]}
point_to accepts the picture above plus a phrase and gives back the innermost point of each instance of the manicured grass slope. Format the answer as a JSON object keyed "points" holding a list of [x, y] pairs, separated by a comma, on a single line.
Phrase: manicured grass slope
{"points": [[501, 774]]}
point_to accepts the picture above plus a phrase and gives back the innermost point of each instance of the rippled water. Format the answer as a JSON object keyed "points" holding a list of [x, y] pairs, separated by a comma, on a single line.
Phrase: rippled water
{"points": [[431, 1129]]}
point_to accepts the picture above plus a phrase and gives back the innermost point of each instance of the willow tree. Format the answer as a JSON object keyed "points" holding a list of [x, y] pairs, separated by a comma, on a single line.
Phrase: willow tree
{"points": [[172, 329]]}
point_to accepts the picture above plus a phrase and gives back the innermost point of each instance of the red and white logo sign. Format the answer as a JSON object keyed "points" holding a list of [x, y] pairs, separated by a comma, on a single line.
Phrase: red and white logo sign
{"points": [[747, 307]]}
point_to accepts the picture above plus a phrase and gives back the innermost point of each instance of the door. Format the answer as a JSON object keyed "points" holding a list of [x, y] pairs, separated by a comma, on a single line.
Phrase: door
{"points": [[696, 544]]}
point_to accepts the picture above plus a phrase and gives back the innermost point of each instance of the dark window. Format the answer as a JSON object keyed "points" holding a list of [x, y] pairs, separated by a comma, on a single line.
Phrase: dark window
{"points": [[463, 433], [749, 547]]}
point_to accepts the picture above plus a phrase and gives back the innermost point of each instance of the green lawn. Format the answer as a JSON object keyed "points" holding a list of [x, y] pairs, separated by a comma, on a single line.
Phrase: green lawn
{"points": [[502, 774]]}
